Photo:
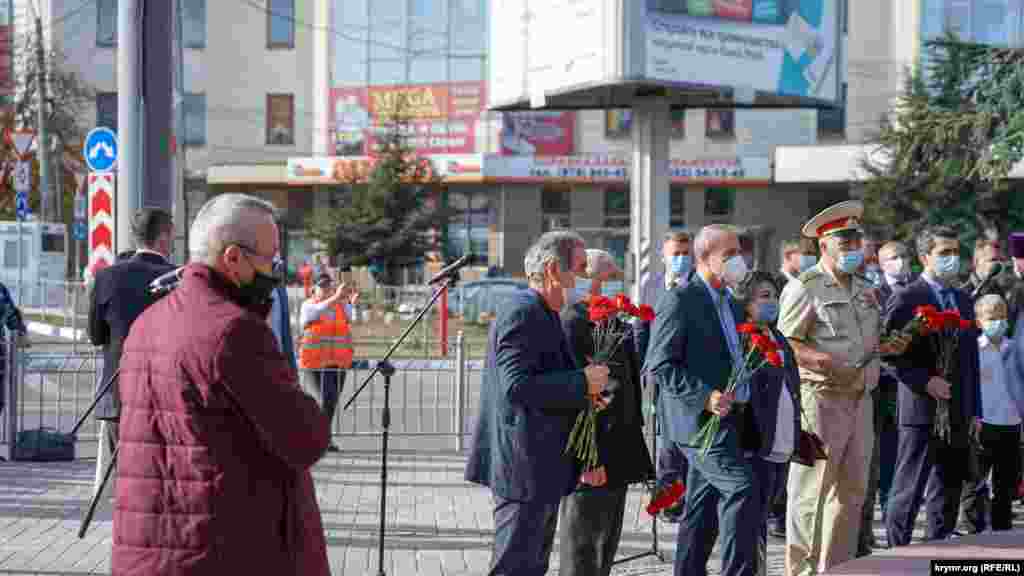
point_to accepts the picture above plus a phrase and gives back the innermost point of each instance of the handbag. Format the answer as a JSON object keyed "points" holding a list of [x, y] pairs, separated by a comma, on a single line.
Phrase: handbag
{"points": [[44, 445], [809, 447]]}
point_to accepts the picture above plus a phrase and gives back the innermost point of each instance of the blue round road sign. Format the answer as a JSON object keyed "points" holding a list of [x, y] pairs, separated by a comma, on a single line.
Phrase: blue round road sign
{"points": [[78, 229], [21, 205], [100, 149]]}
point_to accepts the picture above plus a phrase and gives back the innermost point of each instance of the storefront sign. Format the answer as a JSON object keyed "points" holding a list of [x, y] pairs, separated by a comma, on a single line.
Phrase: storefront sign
{"points": [[347, 170], [537, 133], [601, 168], [495, 168], [441, 118]]}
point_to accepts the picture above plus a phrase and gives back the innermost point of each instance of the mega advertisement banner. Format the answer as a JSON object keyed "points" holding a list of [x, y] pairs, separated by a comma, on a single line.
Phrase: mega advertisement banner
{"points": [[444, 118], [537, 133], [785, 47]]}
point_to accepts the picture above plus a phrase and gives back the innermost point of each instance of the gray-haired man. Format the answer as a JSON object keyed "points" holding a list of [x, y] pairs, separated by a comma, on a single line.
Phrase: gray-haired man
{"points": [[530, 395]]}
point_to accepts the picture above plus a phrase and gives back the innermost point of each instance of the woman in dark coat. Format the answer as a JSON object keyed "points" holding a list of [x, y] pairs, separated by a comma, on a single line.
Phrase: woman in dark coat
{"points": [[590, 522]]}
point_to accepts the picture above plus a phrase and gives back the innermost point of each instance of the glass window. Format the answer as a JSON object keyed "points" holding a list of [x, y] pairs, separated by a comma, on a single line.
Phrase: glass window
{"points": [[280, 23], [677, 207], [106, 23], [386, 72], [280, 119], [387, 30], [616, 207], [720, 123], [719, 203], [195, 119], [832, 121], [351, 43], [469, 26], [556, 199], [618, 124], [469, 224], [428, 70], [467, 69], [193, 18], [428, 28], [106, 110], [53, 242]]}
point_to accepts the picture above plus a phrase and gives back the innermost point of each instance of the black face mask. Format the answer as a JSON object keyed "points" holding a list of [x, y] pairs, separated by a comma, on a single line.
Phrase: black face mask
{"points": [[257, 293]]}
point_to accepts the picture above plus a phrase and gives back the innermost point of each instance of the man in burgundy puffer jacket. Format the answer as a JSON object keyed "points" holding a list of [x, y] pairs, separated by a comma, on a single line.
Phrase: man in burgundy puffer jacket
{"points": [[217, 438]]}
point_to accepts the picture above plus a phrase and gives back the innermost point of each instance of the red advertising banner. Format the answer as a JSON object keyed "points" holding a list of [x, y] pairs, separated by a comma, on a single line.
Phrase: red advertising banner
{"points": [[6, 60], [537, 133], [443, 117]]}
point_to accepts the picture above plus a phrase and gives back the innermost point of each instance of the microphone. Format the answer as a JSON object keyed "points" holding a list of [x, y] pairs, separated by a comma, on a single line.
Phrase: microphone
{"points": [[166, 282], [997, 269], [451, 269]]}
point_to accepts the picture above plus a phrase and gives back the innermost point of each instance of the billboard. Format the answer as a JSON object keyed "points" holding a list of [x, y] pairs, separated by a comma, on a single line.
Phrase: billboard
{"points": [[537, 133], [784, 47], [444, 118]]}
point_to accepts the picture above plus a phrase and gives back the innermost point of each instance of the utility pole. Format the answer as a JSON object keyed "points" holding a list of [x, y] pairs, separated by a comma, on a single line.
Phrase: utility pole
{"points": [[129, 136], [43, 144]]}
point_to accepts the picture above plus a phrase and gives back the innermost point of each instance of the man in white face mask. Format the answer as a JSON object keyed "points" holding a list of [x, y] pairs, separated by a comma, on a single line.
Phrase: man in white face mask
{"points": [[693, 347], [832, 318]]}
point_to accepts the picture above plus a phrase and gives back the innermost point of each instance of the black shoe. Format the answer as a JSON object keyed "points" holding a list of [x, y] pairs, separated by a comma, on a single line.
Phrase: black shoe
{"points": [[333, 448]]}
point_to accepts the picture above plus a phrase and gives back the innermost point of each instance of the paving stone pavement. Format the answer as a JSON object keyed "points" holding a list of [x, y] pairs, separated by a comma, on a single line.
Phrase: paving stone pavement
{"points": [[437, 525]]}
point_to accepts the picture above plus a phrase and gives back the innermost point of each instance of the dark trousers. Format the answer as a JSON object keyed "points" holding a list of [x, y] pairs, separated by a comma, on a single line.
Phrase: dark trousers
{"points": [[777, 506], [721, 497], [999, 453], [589, 529], [767, 476], [523, 535], [866, 539], [888, 443], [672, 464], [325, 387], [923, 460]]}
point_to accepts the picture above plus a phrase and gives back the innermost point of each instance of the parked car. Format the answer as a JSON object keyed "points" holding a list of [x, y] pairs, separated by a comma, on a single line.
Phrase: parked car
{"points": [[482, 296]]}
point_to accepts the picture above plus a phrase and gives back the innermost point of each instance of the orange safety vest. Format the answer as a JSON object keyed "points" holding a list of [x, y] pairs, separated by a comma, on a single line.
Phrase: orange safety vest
{"points": [[327, 342]]}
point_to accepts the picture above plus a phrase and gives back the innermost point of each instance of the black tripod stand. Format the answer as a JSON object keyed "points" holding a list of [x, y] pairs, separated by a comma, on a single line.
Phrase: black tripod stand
{"points": [[87, 518], [654, 551], [385, 367]]}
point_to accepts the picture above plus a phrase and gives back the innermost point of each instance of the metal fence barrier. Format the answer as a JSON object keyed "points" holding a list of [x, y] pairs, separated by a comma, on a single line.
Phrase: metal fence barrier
{"points": [[433, 401]]}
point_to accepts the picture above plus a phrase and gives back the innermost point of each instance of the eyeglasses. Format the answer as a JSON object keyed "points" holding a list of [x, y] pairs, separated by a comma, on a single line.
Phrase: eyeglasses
{"points": [[275, 261]]}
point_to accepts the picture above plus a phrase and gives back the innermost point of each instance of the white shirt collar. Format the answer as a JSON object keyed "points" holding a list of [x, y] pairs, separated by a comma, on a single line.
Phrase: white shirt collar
{"points": [[985, 342]]}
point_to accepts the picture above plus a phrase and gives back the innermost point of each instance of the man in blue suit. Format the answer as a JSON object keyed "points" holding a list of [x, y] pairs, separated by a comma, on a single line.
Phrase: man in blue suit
{"points": [[693, 347], [920, 452], [531, 392]]}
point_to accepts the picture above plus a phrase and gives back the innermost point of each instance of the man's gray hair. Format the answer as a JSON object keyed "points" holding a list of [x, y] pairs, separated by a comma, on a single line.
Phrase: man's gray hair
{"points": [[225, 219], [990, 303], [556, 245], [707, 237]]}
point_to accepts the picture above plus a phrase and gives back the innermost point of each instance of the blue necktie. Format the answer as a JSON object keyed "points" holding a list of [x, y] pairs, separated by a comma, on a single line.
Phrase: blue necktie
{"points": [[948, 299]]}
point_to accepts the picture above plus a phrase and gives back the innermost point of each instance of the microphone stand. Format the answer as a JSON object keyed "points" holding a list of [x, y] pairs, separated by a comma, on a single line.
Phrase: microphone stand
{"points": [[87, 518], [388, 370]]}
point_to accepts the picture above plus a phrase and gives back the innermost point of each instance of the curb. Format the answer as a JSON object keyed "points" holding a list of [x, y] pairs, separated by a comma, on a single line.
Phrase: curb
{"points": [[56, 331]]}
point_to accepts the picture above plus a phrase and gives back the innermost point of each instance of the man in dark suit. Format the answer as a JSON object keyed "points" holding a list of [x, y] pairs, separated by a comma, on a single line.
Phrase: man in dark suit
{"points": [[119, 295], [531, 392], [693, 347], [921, 452]]}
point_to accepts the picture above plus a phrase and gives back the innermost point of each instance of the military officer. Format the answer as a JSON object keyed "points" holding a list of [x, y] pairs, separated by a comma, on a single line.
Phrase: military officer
{"points": [[832, 317]]}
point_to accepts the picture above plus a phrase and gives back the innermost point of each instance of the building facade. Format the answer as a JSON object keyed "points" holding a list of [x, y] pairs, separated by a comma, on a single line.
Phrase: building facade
{"points": [[272, 85]]}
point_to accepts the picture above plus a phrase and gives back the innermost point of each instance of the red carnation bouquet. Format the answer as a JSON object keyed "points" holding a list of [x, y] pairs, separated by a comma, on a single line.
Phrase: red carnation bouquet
{"points": [[666, 497], [945, 326], [760, 350], [610, 317]]}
